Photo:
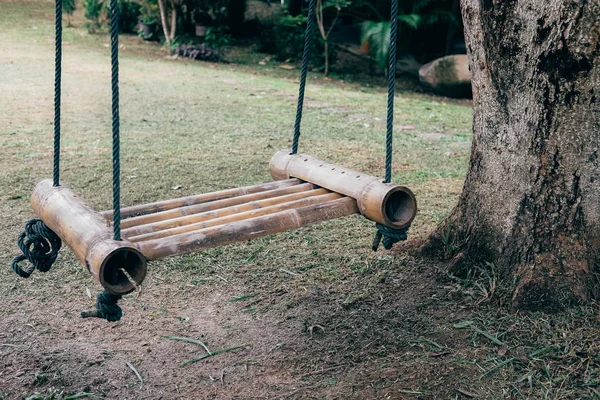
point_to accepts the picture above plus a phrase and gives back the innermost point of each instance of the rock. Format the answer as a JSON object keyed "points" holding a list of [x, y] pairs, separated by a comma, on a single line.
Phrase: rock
{"points": [[449, 76], [407, 65]]}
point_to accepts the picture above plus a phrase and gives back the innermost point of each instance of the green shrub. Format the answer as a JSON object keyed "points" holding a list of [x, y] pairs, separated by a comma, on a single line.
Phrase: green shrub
{"points": [[95, 12], [129, 14], [149, 12], [217, 37], [69, 7], [285, 39]]}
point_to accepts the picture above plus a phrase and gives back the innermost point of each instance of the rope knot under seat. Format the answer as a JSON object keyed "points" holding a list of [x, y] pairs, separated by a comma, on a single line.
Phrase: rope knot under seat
{"points": [[390, 236], [39, 245], [106, 307]]}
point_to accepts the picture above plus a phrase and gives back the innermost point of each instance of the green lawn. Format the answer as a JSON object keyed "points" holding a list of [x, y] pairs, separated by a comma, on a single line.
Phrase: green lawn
{"points": [[322, 316]]}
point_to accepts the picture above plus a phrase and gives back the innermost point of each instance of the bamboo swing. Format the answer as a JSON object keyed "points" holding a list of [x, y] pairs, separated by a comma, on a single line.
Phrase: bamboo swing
{"points": [[116, 245], [308, 190]]}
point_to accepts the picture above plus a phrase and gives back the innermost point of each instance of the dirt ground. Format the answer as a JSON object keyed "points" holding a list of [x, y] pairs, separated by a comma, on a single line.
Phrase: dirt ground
{"points": [[309, 314]]}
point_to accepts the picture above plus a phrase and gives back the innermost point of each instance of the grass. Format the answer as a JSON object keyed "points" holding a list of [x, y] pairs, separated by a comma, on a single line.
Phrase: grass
{"points": [[323, 316]]}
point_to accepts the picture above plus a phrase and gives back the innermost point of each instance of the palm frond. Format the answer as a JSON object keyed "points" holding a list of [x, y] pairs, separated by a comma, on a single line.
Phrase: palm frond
{"points": [[439, 15], [411, 20], [420, 4], [377, 34]]}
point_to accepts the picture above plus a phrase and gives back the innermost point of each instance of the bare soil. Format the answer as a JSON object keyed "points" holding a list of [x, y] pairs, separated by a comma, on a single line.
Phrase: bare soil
{"points": [[316, 314], [358, 339]]}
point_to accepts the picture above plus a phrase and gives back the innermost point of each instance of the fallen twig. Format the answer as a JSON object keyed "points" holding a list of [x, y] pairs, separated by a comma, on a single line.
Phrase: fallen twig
{"points": [[287, 271], [135, 372], [189, 340], [409, 391]]}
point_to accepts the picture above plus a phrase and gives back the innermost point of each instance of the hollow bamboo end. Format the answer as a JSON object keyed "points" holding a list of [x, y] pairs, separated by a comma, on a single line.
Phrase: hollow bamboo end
{"points": [[399, 207], [113, 260], [86, 233], [392, 205]]}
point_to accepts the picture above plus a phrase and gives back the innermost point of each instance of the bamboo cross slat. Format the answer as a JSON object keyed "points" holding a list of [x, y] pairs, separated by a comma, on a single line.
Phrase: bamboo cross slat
{"points": [[247, 229], [219, 213], [212, 205], [127, 212], [247, 215]]}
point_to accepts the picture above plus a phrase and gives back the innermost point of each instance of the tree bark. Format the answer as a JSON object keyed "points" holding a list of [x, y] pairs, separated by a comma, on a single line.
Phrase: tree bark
{"points": [[531, 200], [173, 21], [163, 20], [325, 33]]}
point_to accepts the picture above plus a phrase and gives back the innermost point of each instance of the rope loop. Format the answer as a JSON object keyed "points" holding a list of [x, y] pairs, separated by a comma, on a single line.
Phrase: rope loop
{"points": [[39, 245], [390, 236], [106, 307]]}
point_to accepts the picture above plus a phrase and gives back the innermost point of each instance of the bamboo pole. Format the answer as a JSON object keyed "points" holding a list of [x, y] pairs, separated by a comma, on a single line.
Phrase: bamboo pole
{"points": [[219, 213], [247, 229], [143, 209], [392, 205], [212, 205], [86, 233], [315, 199]]}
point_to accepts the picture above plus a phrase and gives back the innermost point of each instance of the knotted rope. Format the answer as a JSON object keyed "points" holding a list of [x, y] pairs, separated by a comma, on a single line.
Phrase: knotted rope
{"points": [[106, 307], [390, 236], [39, 245], [106, 303]]}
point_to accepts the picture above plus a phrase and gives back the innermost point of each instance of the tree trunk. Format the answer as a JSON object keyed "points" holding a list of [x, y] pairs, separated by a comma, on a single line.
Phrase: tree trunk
{"points": [[326, 49], [173, 21], [531, 200], [163, 20]]}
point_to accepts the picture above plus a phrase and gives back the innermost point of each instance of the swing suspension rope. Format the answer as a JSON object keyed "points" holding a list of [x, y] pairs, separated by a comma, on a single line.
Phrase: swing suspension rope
{"points": [[116, 148], [57, 92], [390, 236], [40, 245]]}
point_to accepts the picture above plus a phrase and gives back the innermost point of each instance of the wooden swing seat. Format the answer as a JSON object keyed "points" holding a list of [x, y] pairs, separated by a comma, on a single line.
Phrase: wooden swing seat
{"points": [[306, 190]]}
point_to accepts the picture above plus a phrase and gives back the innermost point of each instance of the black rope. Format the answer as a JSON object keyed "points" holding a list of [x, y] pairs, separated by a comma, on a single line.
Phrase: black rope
{"points": [[114, 36], [57, 87], [39, 245], [391, 89], [305, 59], [390, 236], [106, 307]]}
